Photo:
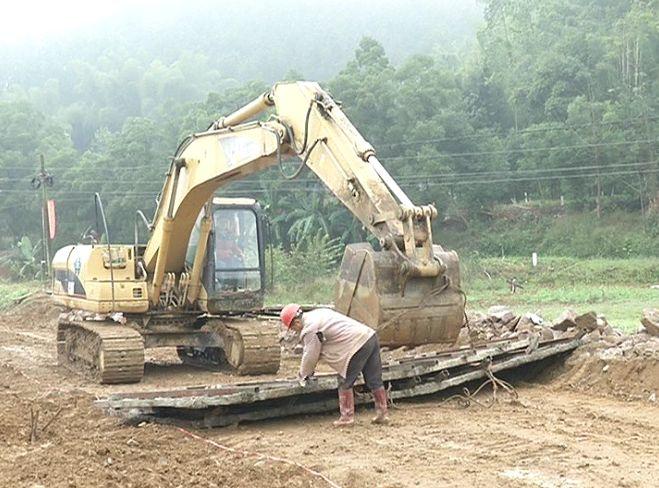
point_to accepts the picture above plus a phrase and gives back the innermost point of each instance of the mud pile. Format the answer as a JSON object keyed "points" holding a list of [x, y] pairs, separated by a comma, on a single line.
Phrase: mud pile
{"points": [[56, 437], [627, 366], [37, 311]]}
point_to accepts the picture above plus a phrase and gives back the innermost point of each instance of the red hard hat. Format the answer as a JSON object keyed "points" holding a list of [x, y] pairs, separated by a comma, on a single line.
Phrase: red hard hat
{"points": [[288, 313]]}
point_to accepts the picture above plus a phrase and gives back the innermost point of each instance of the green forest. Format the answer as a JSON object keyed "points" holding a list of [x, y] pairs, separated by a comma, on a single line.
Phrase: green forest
{"points": [[532, 125]]}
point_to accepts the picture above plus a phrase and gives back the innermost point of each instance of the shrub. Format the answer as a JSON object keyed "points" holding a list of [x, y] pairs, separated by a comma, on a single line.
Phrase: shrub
{"points": [[23, 260]]}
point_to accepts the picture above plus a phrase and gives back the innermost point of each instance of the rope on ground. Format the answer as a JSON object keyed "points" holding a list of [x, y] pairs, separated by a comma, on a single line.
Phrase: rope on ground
{"points": [[260, 456], [467, 398]]}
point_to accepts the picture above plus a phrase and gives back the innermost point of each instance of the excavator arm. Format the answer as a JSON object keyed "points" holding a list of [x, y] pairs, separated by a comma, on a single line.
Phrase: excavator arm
{"points": [[306, 122]]}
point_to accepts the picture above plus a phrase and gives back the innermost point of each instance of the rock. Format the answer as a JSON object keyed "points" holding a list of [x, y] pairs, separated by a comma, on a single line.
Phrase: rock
{"points": [[534, 340], [565, 321], [650, 321], [528, 322], [535, 318], [602, 322], [592, 336], [501, 313], [607, 330], [463, 338], [524, 325], [474, 317], [587, 321], [612, 339], [546, 334], [512, 324]]}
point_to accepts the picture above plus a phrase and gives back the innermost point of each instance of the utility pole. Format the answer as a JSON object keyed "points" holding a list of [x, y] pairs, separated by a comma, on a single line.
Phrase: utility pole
{"points": [[44, 180], [596, 141]]}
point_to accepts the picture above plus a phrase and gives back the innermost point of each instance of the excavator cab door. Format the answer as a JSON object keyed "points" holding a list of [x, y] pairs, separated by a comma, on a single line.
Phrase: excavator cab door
{"points": [[234, 274]]}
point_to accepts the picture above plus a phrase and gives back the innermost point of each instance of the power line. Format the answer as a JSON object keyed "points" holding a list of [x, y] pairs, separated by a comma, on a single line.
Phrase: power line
{"points": [[559, 169], [475, 173], [97, 168], [80, 199], [250, 187], [535, 178], [117, 193], [404, 177], [523, 150], [410, 185], [394, 158]]}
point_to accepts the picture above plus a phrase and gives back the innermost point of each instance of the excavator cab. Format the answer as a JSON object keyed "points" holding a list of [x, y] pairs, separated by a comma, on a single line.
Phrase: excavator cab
{"points": [[233, 279]]}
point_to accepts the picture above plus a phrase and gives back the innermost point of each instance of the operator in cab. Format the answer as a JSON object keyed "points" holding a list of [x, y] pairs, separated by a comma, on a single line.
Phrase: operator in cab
{"points": [[349, 347], [227, 251]]}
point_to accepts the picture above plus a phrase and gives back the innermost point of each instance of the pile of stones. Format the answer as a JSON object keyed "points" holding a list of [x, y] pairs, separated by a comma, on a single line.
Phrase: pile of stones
{"points": [[594, 330]]}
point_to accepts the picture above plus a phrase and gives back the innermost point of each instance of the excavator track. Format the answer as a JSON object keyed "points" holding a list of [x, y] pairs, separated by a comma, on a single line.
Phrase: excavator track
{"points": [[251, 346], [107, 351]]}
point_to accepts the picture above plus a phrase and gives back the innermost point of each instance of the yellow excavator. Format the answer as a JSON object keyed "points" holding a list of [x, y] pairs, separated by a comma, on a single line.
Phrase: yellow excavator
{"points": [[198, 283]]}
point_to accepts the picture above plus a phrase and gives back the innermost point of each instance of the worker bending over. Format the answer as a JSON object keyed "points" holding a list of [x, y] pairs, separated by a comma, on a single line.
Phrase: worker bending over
{"points": [[347, 346]]}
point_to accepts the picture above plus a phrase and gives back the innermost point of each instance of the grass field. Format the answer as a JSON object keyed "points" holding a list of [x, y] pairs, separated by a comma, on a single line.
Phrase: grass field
{"points": [[617, 288]]}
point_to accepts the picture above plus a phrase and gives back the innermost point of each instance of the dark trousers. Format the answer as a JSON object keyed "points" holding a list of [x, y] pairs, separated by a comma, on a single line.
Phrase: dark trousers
{"points": [[366, 361]]}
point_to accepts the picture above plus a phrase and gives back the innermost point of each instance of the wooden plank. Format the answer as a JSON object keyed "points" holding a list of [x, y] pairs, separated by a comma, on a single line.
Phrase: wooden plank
{"points": [[261, 391], [253, 393], [223, 416]]}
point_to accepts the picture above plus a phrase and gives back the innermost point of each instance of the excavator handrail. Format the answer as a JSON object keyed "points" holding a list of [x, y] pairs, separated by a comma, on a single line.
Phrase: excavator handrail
{"points": [[140, 217]]}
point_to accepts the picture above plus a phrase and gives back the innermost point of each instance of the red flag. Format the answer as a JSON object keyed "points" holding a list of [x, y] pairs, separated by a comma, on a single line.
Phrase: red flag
{"points": [[52, 219]]}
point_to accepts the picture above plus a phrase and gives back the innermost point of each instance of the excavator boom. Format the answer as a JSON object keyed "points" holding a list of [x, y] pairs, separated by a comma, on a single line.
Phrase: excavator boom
{"points": [[392, 290]]}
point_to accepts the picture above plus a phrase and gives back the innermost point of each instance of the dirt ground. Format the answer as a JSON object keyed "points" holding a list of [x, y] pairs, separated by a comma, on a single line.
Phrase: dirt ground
{"points": [[575, 426]]}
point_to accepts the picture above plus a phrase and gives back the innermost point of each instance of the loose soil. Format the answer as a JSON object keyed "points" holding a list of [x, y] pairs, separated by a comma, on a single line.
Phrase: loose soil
{"points": [[577, 426]]}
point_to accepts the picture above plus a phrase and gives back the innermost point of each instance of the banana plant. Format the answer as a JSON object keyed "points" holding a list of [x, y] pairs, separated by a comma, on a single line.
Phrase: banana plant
{"points": [[24, 259]]}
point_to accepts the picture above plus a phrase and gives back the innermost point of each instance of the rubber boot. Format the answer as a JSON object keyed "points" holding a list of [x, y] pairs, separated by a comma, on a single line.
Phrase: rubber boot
{"points": [[380, 399], [346, 407]]}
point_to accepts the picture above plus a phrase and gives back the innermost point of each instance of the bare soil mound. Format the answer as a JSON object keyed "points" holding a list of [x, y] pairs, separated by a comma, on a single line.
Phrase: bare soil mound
{"points": [[58, 438], [37, 310], [608, 363], [628, 369]]}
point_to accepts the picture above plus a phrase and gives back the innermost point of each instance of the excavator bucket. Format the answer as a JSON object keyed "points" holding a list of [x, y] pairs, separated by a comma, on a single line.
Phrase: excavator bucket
{"points": [[404, 312]]}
